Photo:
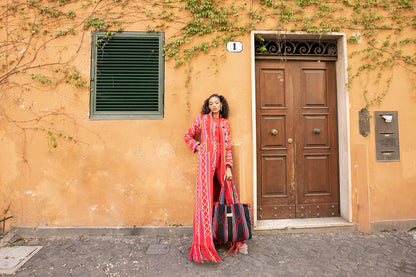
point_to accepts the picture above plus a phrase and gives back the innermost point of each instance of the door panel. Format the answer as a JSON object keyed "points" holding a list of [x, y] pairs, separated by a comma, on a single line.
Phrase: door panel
{"points": [[316, 154], [314, 91], [276, 156], [270, 124], [273, 88], [275, 178], [315, 182], [296, 139], [315, 131]]}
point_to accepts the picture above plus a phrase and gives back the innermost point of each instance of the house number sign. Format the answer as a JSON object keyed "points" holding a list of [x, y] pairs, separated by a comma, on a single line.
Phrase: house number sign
{"points": [[234, 46]]}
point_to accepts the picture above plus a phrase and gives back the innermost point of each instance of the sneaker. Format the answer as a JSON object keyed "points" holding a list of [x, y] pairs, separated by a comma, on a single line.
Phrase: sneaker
{"points": [[244, 249]]}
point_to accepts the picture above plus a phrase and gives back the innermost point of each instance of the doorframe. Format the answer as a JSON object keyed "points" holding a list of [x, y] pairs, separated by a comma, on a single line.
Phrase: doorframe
{"points": [[344, 157]]}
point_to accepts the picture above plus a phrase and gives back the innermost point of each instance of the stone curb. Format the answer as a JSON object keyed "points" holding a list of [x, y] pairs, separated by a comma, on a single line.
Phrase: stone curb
{"points": [[47, 232], [50, 232]]}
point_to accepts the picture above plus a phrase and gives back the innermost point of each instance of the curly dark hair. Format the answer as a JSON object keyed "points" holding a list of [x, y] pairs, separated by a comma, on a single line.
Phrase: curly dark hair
{"points": [[224, 110]]}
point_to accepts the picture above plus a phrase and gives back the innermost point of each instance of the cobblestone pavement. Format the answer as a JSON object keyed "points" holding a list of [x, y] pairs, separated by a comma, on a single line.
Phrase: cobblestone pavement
{"points": [[270, 254]]}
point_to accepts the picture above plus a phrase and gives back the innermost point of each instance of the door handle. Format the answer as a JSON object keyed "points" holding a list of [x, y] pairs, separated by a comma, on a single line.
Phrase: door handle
{"points": [[290, 140], [273, 132], [316, 131]]}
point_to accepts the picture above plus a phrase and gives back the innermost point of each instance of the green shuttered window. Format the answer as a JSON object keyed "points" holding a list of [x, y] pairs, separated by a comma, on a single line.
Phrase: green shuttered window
{"points": [[127, 76]]}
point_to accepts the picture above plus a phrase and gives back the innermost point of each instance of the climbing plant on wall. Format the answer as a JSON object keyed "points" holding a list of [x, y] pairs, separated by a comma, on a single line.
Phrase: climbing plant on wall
{"points": [[30, 29]]}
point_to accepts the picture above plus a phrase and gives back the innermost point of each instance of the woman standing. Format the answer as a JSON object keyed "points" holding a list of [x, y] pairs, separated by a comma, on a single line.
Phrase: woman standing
{"points": [[214, 166]]}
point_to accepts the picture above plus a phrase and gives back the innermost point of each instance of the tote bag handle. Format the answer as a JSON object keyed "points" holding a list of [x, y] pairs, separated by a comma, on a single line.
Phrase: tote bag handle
{"points": [[229, 183]]}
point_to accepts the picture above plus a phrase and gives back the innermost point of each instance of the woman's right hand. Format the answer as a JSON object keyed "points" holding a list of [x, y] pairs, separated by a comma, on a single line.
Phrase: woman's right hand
{"points": [[197, 148]]}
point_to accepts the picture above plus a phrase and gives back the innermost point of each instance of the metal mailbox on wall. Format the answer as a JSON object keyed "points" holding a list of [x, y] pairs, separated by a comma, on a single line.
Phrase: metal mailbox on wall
{"points": [[387, 136]]}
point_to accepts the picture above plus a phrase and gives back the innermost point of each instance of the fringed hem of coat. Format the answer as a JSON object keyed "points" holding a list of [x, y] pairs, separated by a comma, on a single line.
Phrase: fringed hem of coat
{"points": [[199, 253]]}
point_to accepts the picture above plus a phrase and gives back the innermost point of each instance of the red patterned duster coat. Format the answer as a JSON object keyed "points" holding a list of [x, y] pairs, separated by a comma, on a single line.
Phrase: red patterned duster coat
{"points": [[203, 246]]}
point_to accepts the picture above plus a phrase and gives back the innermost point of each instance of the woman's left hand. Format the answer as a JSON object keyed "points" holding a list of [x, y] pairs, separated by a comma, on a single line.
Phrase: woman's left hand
{"points": [[228, 174]]}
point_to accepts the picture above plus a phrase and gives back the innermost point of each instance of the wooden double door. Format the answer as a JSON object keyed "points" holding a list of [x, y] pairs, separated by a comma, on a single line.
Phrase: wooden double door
{"points": [[297, 148]]}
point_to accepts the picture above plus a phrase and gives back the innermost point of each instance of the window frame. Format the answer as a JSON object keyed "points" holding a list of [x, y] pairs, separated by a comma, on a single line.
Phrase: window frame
{"points": [[127, 115]]}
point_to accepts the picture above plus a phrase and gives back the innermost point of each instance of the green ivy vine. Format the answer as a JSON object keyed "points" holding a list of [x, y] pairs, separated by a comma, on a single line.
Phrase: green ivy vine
{"points": [[213, 23]]}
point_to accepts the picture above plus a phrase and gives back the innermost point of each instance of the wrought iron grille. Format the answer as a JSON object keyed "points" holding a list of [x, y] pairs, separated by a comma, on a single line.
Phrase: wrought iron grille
{"points": [[313, 48]]}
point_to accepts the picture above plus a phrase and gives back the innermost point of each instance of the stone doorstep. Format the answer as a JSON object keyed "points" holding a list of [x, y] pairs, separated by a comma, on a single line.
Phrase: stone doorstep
{"points": [[307, 225], [12, 258]]}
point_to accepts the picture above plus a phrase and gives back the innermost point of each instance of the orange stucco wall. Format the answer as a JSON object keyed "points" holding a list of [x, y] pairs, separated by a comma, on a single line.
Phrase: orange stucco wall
{"points": [[391, 185], [140, 172]]}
